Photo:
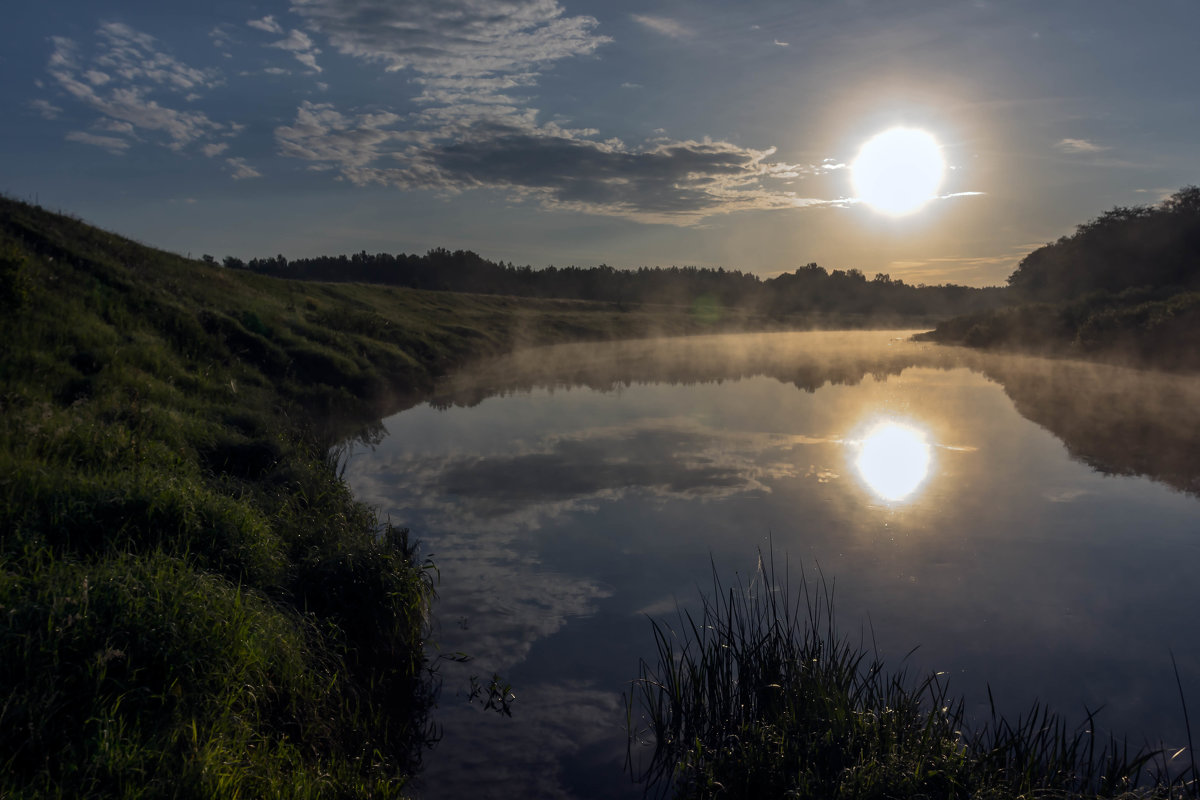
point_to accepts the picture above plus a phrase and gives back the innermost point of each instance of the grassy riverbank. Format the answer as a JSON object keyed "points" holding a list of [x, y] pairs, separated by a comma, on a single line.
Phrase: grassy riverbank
{"points": [[191, 602]]}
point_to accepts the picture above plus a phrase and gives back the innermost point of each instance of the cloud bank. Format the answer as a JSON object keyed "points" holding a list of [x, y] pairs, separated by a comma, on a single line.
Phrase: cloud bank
{"points": [[666, 181]]}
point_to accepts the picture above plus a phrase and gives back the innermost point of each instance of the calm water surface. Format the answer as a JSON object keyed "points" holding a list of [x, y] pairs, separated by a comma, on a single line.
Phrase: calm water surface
{"points": [[1030, 524]]}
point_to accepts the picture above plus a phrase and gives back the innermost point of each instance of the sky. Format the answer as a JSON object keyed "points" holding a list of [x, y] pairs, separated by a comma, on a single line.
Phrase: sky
{"points": [[714, 134]]}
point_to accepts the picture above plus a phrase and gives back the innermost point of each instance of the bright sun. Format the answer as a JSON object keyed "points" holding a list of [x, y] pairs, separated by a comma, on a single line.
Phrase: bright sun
{"points": [[898, 171]]}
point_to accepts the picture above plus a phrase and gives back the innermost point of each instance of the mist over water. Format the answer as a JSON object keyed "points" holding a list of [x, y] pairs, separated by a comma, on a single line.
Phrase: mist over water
{"points": [[1048, 549]]}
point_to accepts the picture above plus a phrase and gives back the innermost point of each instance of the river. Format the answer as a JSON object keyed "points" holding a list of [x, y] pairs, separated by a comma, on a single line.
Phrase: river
{"points": [[1029, 525]]}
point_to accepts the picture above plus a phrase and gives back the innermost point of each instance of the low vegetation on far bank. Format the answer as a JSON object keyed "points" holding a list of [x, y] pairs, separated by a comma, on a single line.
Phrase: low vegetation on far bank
{"points": [[1145, 327]]}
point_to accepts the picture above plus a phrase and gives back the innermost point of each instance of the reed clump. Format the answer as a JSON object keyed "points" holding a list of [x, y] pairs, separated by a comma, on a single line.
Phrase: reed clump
{"points": [[759, 696]]}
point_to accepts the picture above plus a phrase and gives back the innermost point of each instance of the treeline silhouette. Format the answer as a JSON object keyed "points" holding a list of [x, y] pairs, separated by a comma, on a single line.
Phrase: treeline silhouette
{"points": [[808, 289], [1124, 286], [1136, 246]]}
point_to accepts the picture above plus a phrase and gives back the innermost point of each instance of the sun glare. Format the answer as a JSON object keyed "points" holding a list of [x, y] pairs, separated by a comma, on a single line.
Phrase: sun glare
{"points": [[893, 460], [898, 171]]}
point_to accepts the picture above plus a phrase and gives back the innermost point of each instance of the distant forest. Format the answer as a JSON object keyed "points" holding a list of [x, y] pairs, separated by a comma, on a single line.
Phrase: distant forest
{"points": [[809, 289], [1130, 246], [1124, 286]]}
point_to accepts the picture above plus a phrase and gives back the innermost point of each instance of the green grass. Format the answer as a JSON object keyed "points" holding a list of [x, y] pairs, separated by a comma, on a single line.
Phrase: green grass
{"points": [[192, 604], [760, 696]]}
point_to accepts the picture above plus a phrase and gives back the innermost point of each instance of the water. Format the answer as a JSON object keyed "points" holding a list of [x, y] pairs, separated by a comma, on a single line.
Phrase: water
{"points": [[1049, 547]]}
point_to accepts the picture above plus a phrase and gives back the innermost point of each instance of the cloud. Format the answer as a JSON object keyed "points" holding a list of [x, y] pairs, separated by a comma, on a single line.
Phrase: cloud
{"points": [[301, 47], [135, 57], [118, 81], [324, 135], [222, 38], [1160, 194], [452, 38], [295, 42], [114, 126], [112, 144], [970, 270], [240, 170], [214, 149], [1079, 146], [673, 181], [663, 25], [47, 109], [474, 61], [266, 24]]}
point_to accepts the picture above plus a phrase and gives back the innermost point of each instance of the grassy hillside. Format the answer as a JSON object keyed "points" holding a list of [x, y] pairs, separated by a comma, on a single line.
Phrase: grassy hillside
{"points": [[191, 602]]}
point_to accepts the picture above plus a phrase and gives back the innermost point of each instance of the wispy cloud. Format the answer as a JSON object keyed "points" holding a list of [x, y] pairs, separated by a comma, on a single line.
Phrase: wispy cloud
{"points": [[118, 81], [294, 41], [971, 270], [663, 25], [301, 47], [136, 57], [453, 38], [114, 126], [222, 38], [331, 139], [112, 144], [267, 24], [1078, 146], [1160, 194], [240, 170], [47, 109]]}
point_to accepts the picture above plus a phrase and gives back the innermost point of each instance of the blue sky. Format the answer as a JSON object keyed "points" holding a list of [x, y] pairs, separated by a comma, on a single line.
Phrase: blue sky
{"points": [[561, 132]]}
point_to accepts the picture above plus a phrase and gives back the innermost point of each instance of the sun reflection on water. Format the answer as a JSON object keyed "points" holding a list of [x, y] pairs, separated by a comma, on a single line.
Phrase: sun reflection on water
{"points": [[893, 460]]}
